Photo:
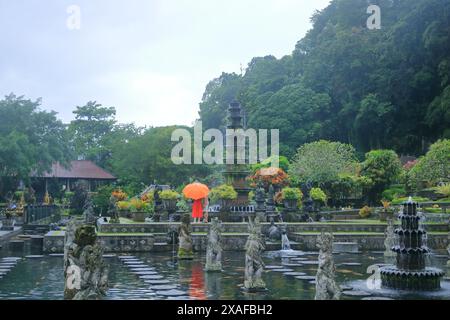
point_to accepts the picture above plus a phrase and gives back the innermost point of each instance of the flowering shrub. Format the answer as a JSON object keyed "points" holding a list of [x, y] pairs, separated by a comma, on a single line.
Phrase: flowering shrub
{"points": [[137, 205], [119, 195], [269, 176], [148, 197], [409, 165]]}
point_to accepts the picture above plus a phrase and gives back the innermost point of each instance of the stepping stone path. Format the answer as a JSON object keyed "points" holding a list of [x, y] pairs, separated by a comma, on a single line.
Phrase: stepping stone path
{"points": [[7, 264], [306, 278], [356, 293], [158, 285]]}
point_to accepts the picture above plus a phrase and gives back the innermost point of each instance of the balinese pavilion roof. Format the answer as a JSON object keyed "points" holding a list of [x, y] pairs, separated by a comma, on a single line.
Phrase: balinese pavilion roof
{"points": [[78, 169]]}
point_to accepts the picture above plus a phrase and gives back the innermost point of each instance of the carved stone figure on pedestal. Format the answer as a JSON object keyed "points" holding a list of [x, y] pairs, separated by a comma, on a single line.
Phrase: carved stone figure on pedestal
{"points": [[326, 286], [113, 213], [86, 276], [88, 211], [214, 247], [254, 266], [389, 241], [185, 251]]}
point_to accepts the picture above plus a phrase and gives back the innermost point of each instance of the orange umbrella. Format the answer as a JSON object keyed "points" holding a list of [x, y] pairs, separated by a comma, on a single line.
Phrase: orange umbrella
{"points": [[196, 191]]}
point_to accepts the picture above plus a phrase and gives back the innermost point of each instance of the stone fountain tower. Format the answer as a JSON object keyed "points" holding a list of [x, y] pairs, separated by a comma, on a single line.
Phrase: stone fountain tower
{"points": [[410, 272], [235, 174]]}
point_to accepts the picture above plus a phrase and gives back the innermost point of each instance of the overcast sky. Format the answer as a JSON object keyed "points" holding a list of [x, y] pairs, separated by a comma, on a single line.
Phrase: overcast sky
{"points": [[151, 59]]}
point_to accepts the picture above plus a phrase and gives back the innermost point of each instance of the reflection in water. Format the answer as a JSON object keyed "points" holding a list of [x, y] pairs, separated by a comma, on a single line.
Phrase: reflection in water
{"points": [[42, 278], [197, 285]]}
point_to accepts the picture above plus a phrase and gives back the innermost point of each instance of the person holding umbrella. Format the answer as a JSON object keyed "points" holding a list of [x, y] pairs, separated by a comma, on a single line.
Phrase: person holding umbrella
{"points": [[197, 192]]}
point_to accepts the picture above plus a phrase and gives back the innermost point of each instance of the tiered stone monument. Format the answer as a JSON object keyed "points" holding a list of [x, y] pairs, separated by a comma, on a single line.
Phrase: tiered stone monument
{"points": [[237, 171], [411, 272]]}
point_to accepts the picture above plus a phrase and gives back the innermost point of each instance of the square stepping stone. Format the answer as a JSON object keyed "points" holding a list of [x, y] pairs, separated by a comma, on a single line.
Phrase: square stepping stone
{"points": [[164, 287], [151, 277], [156, 282], [34, 257], [141, 269], [127, 257], [136, 266], [170, 293], [310, 262], [356, 293], [282, 270], [273, 267], [350, 264], [144, 273], [306, 278], [294, 274]]}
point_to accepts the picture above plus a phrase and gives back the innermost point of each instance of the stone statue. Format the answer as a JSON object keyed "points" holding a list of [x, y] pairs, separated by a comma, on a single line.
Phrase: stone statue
{"points": [[185, 251], [260, 197], [157, 203], [113, 213], [86, 276], [270, 203], [326, 286], [214, 247], [389, 241], [254, 266], [88, 211], [273, 233]]}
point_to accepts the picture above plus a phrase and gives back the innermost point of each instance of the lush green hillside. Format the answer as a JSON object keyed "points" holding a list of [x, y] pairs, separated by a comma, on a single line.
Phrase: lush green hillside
{"points": [[387, 88]]}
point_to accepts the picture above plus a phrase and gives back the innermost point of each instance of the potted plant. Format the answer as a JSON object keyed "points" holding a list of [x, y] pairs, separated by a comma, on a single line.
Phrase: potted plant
{"points": [[387, 212], [365, 212], [124, 209], [224, 195], [319, 197], [169, 199], [291, 197], [138, 209], [8, 222]]}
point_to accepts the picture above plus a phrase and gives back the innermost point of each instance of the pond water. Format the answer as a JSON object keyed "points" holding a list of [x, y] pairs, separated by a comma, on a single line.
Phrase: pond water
{"points": [[41, 277]]}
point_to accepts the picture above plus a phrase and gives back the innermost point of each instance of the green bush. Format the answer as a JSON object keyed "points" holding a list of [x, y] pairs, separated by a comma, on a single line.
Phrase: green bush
{"points": [[401, 200], [444, 190], [223, 192], [318, 195], [169, 195], [394, 192], [291, 194]]}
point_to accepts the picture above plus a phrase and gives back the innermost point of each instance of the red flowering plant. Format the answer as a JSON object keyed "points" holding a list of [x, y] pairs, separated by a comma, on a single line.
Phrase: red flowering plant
{"points": [[269, 176]]}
